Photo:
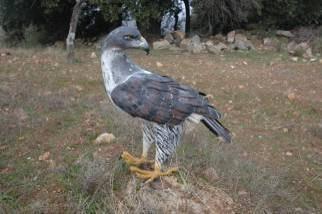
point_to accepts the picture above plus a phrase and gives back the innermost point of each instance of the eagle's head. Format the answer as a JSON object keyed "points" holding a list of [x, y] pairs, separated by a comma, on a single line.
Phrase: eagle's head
{"points": [[125, 38]]}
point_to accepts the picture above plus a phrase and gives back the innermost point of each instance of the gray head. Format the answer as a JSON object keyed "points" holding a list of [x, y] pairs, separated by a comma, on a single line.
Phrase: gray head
{"points": [[125, 38]]}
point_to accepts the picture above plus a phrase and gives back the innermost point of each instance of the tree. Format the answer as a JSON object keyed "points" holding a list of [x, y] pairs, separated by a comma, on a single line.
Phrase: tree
{"points": [[148, 14], [223, 15], [187, 9], [70, 40], [291, 13]]}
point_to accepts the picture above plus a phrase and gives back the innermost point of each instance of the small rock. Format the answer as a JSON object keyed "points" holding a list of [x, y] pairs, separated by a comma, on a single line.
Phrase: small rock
{"points": [[291, 47], [159, 64], [231, 36], [5, 54], [196, 46], [284, 33], [104, 138], [242, 192], [302, 49], [291, 96], [220, 37], [78, 88], [308, 54], [270, 44], [298, 209], [168, 36], [295, 59], [242, 43], [185, 43], [289, 154], [267, 42], [44, 156], [160, 45], [216, 49], [178, 36], [93, 55]]}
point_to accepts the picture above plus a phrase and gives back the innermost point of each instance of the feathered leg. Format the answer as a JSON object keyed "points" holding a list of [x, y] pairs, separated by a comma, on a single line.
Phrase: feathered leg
{"points": [[167, 138], [148, 139]]}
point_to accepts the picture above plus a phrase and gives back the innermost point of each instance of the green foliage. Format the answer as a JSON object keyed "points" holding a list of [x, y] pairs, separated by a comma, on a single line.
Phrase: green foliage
{"points": [[223, 14], [33, 36], [50, 15], [53, 16], [145, 12], [290, 13], [228, 14]]}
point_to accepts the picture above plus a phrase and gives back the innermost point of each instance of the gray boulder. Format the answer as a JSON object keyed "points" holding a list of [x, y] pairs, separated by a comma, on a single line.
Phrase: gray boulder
{"points": [[160, 45], [242, 43], [178, 37], [284, 33], [193, 45], [168, 36], [302, 49], [185, 43], [196, 46], [216, 49], [231, 36]]}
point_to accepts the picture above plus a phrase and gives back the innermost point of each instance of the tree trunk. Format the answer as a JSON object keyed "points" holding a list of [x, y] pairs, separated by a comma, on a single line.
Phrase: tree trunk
{"points": [[70, 40], [176, 19], [187, 7]]}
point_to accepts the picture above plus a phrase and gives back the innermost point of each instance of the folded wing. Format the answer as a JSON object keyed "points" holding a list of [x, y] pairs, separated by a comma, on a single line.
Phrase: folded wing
{"points": [[161, 99]]}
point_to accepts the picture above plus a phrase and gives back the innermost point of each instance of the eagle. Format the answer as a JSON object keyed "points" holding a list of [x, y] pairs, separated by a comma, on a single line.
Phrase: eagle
{"points": [[162, 103]]}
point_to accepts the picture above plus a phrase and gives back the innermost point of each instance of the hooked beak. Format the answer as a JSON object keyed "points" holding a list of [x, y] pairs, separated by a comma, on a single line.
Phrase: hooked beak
{"points": [[144, 45]]}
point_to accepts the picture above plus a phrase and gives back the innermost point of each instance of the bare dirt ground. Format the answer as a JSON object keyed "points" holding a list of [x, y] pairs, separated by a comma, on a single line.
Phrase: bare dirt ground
{"points": [[51, 112]]}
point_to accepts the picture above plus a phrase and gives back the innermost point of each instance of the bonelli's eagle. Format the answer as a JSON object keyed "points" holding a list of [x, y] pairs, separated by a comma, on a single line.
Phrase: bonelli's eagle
{"points": [[161, 102]]}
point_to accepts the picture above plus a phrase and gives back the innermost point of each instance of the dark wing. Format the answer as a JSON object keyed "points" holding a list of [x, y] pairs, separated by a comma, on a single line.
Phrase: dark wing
{"points": [[160, 99]]}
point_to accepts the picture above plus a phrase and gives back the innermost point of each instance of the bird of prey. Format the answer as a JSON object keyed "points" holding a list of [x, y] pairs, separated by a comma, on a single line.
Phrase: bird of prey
{"points": [[162, 103]]}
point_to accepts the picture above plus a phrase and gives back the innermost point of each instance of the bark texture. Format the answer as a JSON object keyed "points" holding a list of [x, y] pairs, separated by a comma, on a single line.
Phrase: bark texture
{"points": [[70, 40]]}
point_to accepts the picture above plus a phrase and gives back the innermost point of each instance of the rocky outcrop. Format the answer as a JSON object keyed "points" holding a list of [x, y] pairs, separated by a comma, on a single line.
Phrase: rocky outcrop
{"points": [[302, 49], [231, 36], [162, 44], [284, 33], [216, 49], [195, 45], [242, 43]]}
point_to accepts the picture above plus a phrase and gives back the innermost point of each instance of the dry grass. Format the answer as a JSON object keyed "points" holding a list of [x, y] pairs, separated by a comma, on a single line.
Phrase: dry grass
{"points": [[274, 166]]}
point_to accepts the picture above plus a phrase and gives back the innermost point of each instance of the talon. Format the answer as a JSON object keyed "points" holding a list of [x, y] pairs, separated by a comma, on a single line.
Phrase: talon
{"points": [[150, 176], [131, 160]]}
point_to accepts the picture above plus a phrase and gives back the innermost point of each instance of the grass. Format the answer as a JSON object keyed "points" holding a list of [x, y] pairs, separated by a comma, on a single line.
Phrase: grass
{"points": [[48, 105]]}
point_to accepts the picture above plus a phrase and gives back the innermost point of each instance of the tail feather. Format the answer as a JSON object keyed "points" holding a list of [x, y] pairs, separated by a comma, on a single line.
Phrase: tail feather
{"points": [[217, 128]]}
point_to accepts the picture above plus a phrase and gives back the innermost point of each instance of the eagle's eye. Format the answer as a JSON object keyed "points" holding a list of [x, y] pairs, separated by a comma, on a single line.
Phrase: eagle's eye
{"points": [[130, 37]]}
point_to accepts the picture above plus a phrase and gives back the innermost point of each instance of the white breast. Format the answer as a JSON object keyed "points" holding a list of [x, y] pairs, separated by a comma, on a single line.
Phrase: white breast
{"points": [[106, 64]]}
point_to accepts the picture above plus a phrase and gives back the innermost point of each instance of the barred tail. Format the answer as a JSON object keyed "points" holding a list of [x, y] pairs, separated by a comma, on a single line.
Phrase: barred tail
{"points": [[217, 128]]}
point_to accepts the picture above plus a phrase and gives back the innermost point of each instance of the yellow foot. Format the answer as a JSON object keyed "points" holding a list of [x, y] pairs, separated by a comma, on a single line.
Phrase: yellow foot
{"points": [[152, 175], [129, 159]]}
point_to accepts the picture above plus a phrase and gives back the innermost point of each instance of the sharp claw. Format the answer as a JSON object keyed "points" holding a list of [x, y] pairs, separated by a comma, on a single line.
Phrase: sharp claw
{"points": [[129, 159]]}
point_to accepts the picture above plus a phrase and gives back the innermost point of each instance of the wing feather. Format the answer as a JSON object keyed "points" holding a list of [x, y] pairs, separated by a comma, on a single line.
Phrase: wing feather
{"points": [[160, 99]]}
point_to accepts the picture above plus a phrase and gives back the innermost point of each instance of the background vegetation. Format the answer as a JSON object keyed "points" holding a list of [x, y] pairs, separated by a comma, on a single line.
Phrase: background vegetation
{"points": [[49, 20]]}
